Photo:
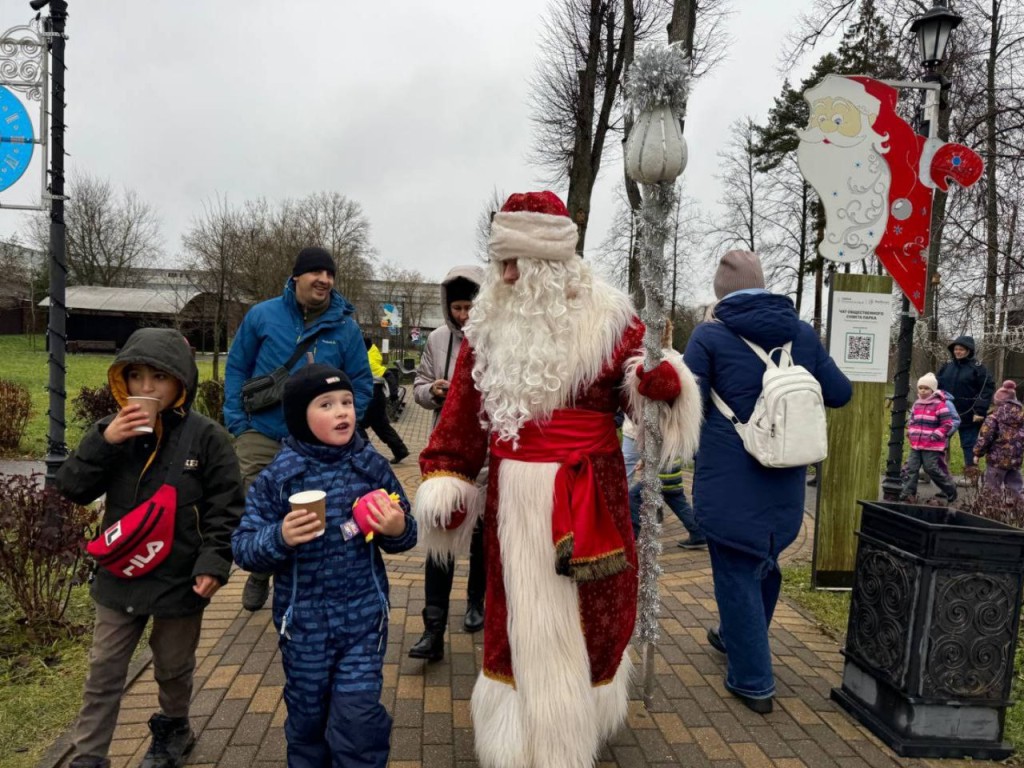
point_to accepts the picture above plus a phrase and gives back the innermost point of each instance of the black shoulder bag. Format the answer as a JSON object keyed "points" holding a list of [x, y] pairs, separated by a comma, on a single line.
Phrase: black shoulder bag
{"points": [[262, 392]]}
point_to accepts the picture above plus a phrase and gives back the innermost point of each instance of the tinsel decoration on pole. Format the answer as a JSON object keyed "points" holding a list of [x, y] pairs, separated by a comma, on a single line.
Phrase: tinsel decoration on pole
{"points": [[655, 156]]}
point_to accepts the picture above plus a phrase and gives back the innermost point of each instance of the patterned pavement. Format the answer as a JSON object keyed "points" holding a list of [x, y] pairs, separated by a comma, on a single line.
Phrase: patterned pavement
{"points": [[239, 713]]}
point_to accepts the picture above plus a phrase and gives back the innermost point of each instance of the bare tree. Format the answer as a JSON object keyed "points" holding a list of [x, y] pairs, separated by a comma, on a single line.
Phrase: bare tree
{"points": [[742, 222], [214, 243], [483, 223], [109, 234]]}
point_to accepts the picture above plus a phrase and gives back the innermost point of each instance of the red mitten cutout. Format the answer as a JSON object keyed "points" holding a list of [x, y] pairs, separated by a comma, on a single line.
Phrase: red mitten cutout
{"points": [[659, 383]]}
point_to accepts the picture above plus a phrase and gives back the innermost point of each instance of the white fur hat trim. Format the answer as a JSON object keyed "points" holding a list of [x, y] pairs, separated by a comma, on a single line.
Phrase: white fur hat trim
{"points": [[527, 235]]}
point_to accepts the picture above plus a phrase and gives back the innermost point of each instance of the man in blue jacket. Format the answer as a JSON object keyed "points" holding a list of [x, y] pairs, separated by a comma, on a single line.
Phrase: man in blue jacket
{"points": [[267, 337]]}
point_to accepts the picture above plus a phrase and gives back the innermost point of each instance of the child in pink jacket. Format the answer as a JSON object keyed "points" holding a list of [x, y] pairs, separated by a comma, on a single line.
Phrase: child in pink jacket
{"points": [[930, 426]]}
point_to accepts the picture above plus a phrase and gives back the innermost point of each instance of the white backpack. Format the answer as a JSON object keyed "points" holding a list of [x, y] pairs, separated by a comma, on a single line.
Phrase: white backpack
{"points": [[787, 425]]}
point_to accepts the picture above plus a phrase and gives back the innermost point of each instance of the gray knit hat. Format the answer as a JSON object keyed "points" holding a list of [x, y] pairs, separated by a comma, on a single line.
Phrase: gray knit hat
{"points": [[737, 271]]}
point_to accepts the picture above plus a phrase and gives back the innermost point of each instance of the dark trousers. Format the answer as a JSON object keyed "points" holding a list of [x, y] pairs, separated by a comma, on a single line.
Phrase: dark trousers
{"points": [[746, 590], [968, 431], [376, 418], [439, 578], [930, 461], [115, 636], [676, 501]]}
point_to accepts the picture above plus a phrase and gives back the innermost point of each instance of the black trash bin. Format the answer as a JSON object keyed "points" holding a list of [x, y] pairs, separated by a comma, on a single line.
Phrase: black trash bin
{"points": [[933, 629]]}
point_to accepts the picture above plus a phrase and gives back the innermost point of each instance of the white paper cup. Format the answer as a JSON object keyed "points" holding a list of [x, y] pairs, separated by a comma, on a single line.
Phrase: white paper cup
{"points": [[150, 406], [312, 500]]}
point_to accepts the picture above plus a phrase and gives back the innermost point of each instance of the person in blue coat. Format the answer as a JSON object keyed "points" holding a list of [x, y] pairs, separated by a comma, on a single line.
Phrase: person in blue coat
{"points": [[331, 601], [749, 513], [265, 340]]}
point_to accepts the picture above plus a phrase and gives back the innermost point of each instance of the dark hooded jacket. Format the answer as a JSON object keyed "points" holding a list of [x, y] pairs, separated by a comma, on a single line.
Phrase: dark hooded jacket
{"points": [[739, 502], [968, 381], [210, 499]]}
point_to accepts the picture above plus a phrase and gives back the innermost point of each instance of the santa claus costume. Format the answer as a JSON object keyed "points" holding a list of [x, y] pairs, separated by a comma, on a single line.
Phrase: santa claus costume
{"points": [[552, 354]]}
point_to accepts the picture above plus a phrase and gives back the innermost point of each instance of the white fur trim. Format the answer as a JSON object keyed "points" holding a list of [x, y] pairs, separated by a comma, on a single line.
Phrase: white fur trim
{"points": [[554, 717], [528, 235], [436, 499], [679, 422]]}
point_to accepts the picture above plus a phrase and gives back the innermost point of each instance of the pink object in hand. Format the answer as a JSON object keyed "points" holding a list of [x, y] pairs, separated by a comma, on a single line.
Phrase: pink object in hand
{"points": [[361, 510]]}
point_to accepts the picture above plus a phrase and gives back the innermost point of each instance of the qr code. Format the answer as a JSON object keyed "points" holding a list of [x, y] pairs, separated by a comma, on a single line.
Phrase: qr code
{"points": [[859, 348]]}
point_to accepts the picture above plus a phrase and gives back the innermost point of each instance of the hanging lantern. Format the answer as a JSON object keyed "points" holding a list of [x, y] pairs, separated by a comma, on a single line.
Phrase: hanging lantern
{"points": [[655, 149]]}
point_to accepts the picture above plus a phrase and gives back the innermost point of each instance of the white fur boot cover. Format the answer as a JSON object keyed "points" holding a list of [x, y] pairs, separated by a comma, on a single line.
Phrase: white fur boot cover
{"points": [[553, 718]]}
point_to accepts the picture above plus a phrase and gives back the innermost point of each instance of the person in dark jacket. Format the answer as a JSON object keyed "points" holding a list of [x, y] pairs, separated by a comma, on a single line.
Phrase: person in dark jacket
{"points": [[331, 598], [968, 380], [128, 466], [309, 306], [749, 513]]}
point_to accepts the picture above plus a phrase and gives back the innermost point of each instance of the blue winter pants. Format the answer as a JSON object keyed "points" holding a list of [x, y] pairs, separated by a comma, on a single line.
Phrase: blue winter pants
{"points": [[333, 680], [676, 501], [746, 590]]}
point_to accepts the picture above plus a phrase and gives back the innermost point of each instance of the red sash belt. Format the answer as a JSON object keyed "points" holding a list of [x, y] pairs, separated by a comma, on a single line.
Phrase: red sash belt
{"points": [[588, 545]]}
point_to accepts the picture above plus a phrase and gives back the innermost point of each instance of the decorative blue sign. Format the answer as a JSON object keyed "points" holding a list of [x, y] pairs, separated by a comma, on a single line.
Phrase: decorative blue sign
{"points": [[16, 145]]}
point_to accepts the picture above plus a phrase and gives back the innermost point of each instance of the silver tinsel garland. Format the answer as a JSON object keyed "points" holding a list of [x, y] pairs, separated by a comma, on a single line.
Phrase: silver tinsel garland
{"points": [[657, 78]]}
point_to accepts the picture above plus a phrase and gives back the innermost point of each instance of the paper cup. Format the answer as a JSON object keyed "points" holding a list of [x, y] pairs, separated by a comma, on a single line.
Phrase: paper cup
{"points": [[150, 406], [312, 500]]}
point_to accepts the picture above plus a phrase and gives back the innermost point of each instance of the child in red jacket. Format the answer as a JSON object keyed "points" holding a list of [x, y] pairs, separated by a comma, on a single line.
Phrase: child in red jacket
{"points": [[930, 426]]}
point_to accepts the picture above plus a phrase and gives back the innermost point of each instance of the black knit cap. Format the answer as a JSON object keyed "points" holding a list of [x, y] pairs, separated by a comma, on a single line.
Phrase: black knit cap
{"points": [[300, 389], [313, 259], [461, 289]]}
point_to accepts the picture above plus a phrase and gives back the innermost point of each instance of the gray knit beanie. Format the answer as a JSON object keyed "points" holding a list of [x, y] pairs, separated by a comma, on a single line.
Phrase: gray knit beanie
{"points": [[737, 271]]}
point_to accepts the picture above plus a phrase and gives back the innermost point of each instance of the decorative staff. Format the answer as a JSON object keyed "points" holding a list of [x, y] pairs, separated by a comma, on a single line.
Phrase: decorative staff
{"points": [[655, 157]]}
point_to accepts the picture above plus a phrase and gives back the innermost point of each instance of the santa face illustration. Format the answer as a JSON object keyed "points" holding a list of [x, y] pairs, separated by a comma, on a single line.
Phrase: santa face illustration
{"points": [[841, 157]]}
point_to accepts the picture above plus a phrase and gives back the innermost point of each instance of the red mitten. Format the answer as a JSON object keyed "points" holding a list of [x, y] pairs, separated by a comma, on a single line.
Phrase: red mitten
{"points": [[458, 518], [659, 383]]}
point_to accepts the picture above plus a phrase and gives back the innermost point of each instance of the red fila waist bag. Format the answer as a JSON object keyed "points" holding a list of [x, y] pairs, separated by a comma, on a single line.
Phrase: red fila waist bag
{"points": [[140, 541]]}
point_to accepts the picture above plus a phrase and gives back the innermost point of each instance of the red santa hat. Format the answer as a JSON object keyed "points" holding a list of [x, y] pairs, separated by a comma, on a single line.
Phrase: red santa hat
{"points": [[533, 225]]}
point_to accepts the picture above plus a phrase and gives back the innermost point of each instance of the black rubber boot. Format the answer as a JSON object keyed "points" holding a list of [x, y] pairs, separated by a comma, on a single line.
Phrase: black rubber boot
{"points": [[173, 739], [431, 645]]}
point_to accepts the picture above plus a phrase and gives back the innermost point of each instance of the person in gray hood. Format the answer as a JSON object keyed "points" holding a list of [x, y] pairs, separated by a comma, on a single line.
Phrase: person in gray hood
{"points": [[430, 389], [128, 457]]}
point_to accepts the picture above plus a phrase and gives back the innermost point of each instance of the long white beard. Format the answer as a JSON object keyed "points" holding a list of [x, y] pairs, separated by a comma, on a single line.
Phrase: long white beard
{"points": [[536, 342], [852, 183]]}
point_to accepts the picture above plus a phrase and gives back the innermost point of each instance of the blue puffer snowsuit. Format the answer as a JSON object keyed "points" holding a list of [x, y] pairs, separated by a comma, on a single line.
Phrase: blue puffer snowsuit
{"points": [[334, 594], [266, 339], [739, 502]]}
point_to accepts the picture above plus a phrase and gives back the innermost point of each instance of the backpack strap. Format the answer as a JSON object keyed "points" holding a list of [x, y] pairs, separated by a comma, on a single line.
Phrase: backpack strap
{"points": [[766, 358], [189, 425]]}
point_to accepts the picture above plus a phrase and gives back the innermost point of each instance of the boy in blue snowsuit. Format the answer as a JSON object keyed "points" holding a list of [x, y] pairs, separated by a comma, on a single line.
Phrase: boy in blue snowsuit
{"points": [[331, 600]]}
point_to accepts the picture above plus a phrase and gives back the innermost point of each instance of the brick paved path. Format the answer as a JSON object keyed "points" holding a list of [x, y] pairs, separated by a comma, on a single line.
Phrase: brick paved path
{"points": [[693, 722]]}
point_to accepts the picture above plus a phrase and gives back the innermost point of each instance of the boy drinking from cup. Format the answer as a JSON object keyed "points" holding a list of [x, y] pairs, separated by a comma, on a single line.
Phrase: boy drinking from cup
{"points": [[128, 457], [331, 587]]}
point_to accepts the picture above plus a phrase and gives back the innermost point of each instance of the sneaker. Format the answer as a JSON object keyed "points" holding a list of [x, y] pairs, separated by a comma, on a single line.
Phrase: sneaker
{"points": [[256, 591], [173, 739], [399, 456], [760, 706], [692, 543], [812, 480]]}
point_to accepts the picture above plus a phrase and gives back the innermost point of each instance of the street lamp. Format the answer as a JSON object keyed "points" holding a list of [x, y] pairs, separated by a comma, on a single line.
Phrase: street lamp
{"points": [[932, 29]]}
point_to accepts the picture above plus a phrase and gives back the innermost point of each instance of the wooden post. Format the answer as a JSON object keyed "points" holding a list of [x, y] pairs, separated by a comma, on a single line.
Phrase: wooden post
{"points": [[853, 466]]}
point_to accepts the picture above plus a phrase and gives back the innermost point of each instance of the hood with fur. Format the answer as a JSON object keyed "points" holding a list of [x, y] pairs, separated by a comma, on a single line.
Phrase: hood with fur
{"points": [[471, 273]]}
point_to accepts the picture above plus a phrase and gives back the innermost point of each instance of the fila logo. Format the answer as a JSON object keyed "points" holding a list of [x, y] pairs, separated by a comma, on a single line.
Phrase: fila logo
{"points": [[141, 561], [113, 533], [192, 464]]}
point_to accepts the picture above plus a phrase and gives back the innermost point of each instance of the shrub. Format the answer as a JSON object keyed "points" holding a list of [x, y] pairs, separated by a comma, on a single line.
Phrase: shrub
{"points": [[42, 557], [92, 404], [15, 407], [210, 400], [994, 504]]}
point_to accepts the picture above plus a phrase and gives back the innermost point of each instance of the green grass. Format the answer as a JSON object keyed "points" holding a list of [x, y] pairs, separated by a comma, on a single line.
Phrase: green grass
{"points": [[40, 685], [25, 362]]}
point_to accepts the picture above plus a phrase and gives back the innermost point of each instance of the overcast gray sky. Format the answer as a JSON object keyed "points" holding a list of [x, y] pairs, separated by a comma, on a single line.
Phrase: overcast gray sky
{"points": [[414, 109]]}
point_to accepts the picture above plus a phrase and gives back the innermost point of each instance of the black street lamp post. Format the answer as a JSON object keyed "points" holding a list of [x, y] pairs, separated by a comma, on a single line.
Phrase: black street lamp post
{"points": [[56, 448], [932, 29]]}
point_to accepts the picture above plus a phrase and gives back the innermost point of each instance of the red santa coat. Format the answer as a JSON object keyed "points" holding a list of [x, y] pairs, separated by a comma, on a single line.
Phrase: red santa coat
{"points": [[555, 677]]}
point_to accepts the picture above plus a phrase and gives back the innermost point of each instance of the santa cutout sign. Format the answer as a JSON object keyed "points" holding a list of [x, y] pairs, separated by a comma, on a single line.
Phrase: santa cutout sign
{"points": [[875, 177]]}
